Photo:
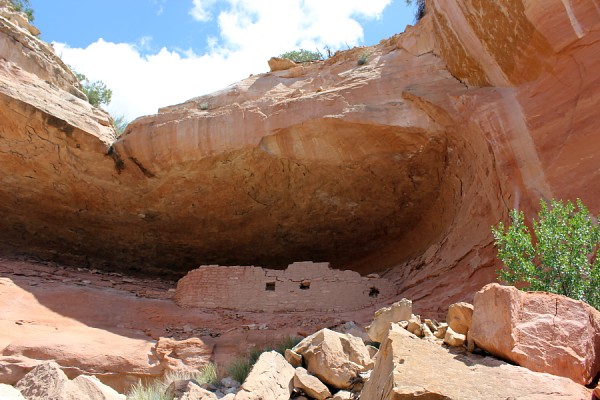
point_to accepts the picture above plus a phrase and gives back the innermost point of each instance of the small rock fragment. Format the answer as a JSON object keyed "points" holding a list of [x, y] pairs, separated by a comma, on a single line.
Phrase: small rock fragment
{"points": [[459, 317], [343, 395], [440, 332], [372, 350], [414, 325], [453, 338], [311, 385], [293, 358]]}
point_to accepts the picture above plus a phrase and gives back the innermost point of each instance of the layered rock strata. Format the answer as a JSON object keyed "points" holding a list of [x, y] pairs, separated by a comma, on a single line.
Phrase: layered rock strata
{"points": [[399, 165]]}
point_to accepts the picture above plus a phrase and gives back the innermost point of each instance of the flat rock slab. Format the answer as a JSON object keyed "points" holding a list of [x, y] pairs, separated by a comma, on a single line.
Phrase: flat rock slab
{"points": [[408, 367]]}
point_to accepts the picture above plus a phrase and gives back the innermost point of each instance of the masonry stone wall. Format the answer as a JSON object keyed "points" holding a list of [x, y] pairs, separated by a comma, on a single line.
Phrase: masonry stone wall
{"points": [[303, 286]]}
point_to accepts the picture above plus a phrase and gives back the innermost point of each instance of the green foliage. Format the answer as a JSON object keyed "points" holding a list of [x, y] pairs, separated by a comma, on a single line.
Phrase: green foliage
{"points": [[563, 257], [302, 55], [23, 6], [96, 91], [287, 342], [119, 123], [241, 367], [363, 58], [208, 374], [155, 389], [420, 8]]}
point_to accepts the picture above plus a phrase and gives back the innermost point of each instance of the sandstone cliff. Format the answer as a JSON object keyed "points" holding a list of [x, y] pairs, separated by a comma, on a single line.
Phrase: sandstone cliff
{"points": [[397, 166]]}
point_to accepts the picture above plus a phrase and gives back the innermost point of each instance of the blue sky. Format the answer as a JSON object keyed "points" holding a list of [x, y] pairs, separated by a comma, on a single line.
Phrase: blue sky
{"points": [[154, 53]]}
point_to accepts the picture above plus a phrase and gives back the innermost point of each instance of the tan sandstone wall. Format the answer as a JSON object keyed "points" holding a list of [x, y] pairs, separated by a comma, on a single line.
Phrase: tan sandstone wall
{"points": [[302, 286]]}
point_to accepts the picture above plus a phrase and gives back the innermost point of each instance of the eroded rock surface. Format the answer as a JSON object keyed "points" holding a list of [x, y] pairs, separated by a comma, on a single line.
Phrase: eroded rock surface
{"points": [[122, 329], [398, 166]]}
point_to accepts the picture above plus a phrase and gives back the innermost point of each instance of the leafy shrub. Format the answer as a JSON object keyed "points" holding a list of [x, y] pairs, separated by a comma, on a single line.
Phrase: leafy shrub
{"points": [[286, 343], [96, 92], [363, 58], [563, 258], [302, 55], [23, 6]]}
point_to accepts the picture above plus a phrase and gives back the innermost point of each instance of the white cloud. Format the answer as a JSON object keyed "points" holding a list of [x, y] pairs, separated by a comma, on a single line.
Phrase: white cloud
{"points": [[159, 6], [250, 32], [200, 10]]}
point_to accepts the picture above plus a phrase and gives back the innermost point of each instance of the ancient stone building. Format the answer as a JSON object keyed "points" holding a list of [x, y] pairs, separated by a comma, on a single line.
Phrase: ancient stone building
{"points": [[302, 286]]}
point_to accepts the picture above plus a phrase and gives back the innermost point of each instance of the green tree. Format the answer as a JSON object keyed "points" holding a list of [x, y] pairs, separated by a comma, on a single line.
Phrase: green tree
{"points": [[23, 6], [96, 92], [120, 123], [302, 55], [420, 8], [562, 259]]}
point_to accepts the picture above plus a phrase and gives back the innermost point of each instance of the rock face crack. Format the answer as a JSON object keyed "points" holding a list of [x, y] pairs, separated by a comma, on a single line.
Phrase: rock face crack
{"points": [[114, 154], [143, 169]]}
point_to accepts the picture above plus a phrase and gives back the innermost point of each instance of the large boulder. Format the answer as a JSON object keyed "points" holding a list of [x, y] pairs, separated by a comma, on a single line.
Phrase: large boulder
{"points": [[48, 382], [270, 379], [408, 367], [540, 331], [280, 64], [459, 317], [91, 388], [399, 311], [8, 392], [335, 358]]}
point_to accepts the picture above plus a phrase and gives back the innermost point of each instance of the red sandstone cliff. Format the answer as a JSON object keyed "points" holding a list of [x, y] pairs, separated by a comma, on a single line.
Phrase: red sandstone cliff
{"points": [[398, 166]]}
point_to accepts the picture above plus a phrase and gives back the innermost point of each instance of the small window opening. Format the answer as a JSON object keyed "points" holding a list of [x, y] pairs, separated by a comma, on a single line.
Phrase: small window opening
{"points": [[374, 292], [305, 285], [270, 286]]}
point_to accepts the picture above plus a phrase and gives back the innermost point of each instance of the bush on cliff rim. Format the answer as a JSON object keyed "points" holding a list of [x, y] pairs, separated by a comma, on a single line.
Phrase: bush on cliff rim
{"points": [[24, 7], [563, 258], [302, 55], [420, 8]]}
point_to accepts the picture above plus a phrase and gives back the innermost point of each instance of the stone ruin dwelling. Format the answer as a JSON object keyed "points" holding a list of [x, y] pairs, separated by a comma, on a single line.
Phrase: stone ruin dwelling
{"points": [[303, 286]]}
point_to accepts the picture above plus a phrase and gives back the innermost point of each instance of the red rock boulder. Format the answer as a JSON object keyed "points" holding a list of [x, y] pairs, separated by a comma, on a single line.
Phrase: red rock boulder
{"points": [[540, 331]]}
